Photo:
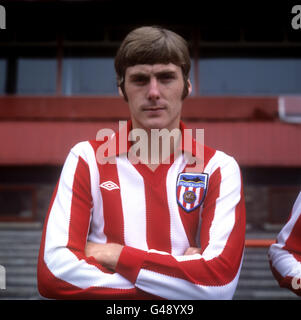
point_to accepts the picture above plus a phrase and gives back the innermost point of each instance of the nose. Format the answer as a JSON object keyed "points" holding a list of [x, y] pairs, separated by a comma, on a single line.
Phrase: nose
{"points": [[153, 90]]}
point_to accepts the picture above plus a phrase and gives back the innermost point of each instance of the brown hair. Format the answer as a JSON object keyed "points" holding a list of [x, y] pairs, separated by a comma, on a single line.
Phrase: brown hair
{"points": [[150, 45]]}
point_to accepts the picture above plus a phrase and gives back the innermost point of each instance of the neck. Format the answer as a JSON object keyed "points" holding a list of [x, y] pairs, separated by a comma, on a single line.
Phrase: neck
{"points": [[155, 146]]}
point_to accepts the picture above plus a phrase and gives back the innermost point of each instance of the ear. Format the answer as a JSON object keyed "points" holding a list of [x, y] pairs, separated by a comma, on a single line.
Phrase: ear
{"points": [[189, 87], [120, 92]]}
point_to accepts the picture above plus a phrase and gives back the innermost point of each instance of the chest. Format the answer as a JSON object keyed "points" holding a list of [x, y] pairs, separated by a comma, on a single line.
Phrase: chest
{"points": [[141, 208]]}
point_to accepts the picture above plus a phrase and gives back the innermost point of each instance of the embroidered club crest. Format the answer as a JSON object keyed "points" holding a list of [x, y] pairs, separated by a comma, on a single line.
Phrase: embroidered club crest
{"points": [[191, 190]]}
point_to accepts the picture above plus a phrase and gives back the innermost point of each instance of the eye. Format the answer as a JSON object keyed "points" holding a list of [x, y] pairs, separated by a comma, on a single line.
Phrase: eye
{"points": [[166, 77], [140, 80]]}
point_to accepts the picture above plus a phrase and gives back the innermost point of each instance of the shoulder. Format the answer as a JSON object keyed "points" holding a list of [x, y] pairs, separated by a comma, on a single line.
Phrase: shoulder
{"points": [[85, 149], [80, 148], [297, 206], [90, 152], [215, 159]]}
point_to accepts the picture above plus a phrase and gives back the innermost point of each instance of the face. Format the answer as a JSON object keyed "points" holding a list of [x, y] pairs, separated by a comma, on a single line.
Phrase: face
{"points": [[154, 94]]}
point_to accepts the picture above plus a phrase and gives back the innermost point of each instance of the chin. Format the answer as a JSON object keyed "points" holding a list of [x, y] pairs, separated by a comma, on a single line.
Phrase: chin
{"points": [[156, 124]]}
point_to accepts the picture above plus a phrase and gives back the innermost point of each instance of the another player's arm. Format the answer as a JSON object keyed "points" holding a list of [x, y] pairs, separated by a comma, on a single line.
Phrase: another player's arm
{"points": [[285, 254]]}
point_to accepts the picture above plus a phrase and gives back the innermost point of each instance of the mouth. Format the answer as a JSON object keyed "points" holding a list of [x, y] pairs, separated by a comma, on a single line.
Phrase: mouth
{"points": [[153, 108]]}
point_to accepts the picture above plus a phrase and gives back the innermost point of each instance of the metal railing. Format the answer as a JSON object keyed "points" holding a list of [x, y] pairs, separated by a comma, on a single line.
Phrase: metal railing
{"points": [[259, 243]]}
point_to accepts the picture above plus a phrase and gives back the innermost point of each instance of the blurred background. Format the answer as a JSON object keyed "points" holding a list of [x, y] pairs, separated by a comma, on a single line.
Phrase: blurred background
{"points": [[58, 87]]}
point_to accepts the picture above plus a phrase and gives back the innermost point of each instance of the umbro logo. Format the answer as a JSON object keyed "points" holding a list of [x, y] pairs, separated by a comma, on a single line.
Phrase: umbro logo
{"points": [[109, 185]]}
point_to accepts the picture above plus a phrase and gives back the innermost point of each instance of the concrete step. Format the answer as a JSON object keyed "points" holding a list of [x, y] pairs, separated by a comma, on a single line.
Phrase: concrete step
{"points": [[263, 294], [256, 265], [255, 258], [257, 283], [18, 254], [21, 280], [21, 270], [259, 274], [18, 261], [12, 246], [17, 292]]}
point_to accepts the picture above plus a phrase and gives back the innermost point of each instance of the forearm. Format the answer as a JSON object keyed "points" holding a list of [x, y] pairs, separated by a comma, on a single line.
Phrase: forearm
{"points": [[108, 254], [130, 264], [181, 277], [105, 254]]}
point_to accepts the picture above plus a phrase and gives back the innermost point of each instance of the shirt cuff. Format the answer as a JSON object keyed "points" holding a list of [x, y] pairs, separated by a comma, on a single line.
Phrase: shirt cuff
{"points": [[130, 263]]}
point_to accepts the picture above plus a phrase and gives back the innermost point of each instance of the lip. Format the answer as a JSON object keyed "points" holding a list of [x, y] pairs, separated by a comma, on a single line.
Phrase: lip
{"points": [[153, 109]]}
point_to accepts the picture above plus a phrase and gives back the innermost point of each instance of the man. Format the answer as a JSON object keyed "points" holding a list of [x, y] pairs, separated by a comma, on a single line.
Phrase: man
{"points": [[285, 254], [126, 230]]}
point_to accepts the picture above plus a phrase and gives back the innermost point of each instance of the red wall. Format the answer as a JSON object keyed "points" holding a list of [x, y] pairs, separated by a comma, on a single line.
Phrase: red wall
{"points": [[41, 130]]}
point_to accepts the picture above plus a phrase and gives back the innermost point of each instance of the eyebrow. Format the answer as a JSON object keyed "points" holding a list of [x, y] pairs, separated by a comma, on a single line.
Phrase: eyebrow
{"points": [[141, 74]]}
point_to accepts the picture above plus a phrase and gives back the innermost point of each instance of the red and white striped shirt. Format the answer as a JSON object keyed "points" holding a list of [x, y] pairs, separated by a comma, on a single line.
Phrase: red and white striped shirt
{"points": [[139, 209], [285, 254]]}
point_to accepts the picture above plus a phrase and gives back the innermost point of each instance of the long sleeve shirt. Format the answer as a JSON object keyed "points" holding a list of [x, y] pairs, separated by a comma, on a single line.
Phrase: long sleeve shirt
{"points": [[131, 205]]}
